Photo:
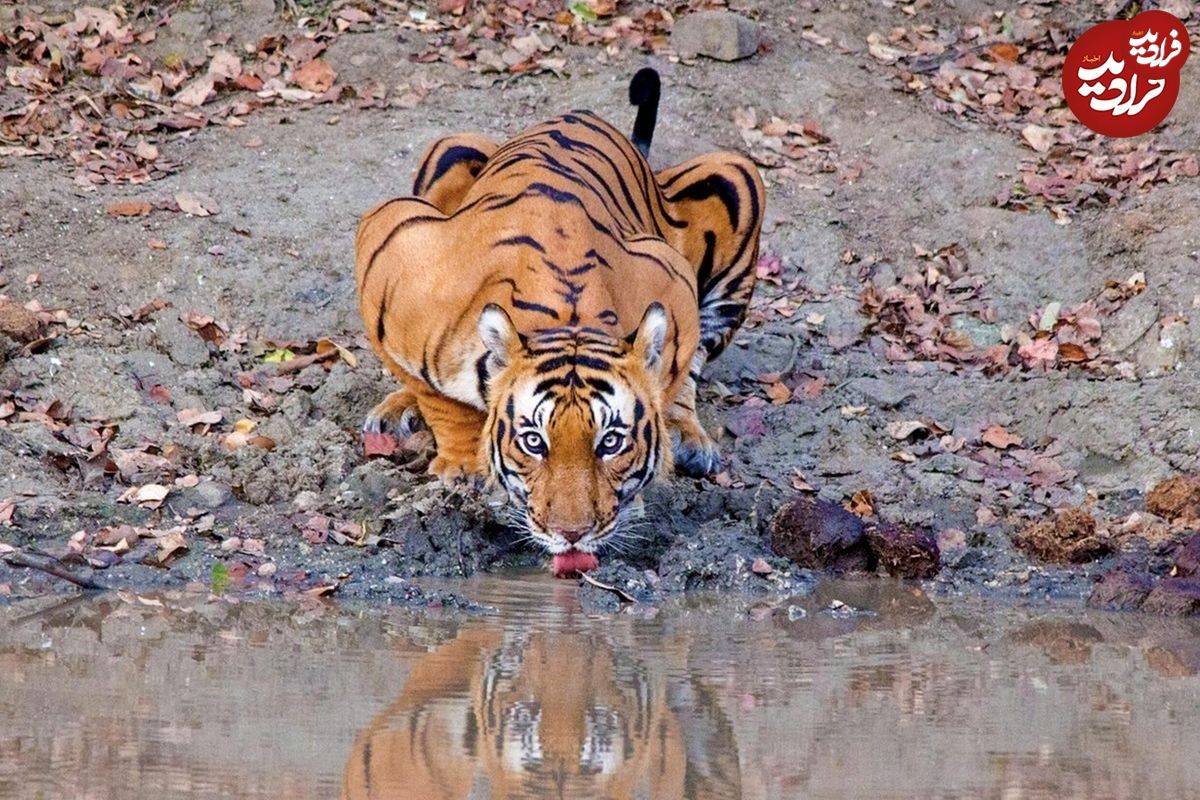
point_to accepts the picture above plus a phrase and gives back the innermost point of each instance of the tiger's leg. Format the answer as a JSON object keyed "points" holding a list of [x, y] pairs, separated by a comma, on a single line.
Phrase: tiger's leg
{"points": [[397, 415], [449, 167], [695, 452], [721, 197], [456, 429]]}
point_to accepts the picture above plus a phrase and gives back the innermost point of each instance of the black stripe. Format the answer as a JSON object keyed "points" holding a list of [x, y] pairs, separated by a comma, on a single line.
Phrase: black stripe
{"points": [[632, 157], [481, 376], [448, 160], [717, 186], [521, 240], [535, 307]]}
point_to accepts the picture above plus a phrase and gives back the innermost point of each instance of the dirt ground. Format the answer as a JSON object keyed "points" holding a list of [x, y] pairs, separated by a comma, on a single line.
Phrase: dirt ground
{"points": [[902, 177]]}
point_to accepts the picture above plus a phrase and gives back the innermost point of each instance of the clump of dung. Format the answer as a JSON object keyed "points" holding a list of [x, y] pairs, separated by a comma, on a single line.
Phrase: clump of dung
{"points": [[905, 551], [1176, 498], [1069, 537]]}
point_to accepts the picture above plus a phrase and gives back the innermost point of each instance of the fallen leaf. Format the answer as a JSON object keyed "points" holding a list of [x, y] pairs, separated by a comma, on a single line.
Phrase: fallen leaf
{"points": [[1039, 138], [861, 503], [151, 495], [196, 93], [128, 208], [325, 345], [316, 76], [194, 416], [999, 438], [379, 444], [169, 546], [906, 428], [197, 204]]}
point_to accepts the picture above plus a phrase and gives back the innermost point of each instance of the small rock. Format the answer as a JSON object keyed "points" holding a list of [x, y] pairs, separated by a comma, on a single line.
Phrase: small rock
{"points": [[306, 500], [952, 545], [722, 35], [1067, 538], [818, 534], [1175, 597], [904, 551], [18, 322], [1176, 498], [1187, 558], [1170, 353], [1120, 590], [208, 495], [1125, 328], [881, 393], [182, 344], [761, 567], [983, 334], [796, 612]]}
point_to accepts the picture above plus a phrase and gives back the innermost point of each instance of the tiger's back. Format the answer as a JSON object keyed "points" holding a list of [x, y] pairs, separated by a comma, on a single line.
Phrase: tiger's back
{"points": [[554, 229]]}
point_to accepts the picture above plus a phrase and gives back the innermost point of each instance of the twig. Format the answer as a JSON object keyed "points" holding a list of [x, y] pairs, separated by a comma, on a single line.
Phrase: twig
{"points": [[52, 567], [300, 362], [608, 587]]}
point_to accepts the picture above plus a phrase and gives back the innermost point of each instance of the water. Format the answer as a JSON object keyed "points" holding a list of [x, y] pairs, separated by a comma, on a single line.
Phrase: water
{"points": [[173, 697]]}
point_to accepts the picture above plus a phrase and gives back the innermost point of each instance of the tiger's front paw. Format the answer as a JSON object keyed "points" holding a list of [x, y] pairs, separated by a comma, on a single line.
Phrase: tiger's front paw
{"points": [[696, 456], [453, 470], [392, 425]]}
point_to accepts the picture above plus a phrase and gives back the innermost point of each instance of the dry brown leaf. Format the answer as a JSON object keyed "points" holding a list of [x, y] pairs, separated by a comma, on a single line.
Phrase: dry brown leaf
{"points": [[194, 416], [1039, 138], [128, 208], [316, 76], [999, 437], [196, 93], [197, 204]]}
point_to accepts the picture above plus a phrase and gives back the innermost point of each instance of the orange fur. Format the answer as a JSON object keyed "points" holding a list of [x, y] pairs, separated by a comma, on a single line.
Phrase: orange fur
{"points": [[569, 236]]}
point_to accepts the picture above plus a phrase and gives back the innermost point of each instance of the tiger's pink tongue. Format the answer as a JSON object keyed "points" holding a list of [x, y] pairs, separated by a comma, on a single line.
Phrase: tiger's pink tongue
{"points": [[572, 563]]}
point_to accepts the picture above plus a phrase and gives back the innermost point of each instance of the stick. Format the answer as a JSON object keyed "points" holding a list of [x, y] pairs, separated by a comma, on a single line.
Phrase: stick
{"points": [[300, 362], [621, 593], [52, 567]]}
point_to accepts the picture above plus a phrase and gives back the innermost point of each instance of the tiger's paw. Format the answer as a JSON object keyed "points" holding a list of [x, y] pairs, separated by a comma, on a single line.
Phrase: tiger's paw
{"points": [[391, 424], [452, 470], [696, 457]]}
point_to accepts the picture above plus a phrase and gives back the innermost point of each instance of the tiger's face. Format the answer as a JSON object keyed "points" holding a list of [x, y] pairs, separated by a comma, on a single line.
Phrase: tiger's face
{"points": [[575, 426]]}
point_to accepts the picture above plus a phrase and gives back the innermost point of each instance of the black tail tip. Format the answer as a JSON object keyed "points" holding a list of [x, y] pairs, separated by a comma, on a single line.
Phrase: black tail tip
{"points": [[645, 87]]}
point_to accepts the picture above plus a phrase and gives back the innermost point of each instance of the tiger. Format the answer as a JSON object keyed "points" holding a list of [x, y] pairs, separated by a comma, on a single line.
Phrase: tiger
{"points": [[547, 305], [504, 714]]}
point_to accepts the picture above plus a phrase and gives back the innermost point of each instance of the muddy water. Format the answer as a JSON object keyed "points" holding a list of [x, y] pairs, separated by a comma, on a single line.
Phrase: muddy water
{"points": [[887, 696]]}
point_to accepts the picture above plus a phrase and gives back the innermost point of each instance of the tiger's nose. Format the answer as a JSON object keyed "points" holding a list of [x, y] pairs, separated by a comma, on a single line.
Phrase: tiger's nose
{"points": [[573, 536]]}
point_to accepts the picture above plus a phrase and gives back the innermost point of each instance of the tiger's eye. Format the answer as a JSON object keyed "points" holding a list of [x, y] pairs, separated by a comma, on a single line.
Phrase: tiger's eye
{"points": [[533, 443], [611, 442]]}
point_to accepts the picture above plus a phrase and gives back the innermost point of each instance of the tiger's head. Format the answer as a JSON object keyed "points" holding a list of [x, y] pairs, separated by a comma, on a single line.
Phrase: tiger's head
{"points": [[576, 425]]}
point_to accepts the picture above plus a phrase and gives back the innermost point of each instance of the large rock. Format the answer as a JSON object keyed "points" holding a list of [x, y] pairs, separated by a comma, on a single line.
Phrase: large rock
{"points": [[817, 534], [717, 34], [1187, 558]]}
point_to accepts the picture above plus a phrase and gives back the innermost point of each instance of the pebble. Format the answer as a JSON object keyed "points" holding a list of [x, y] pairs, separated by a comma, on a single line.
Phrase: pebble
{"points": [[722, 35]]}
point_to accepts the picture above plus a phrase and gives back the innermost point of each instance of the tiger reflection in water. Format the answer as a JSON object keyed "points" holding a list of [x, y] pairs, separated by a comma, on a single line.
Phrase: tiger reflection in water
{"points": [[544, 715]]}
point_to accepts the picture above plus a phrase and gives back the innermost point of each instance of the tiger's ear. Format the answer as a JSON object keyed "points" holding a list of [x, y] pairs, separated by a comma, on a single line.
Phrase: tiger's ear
{"points": [[650, 336], [498, 334]]}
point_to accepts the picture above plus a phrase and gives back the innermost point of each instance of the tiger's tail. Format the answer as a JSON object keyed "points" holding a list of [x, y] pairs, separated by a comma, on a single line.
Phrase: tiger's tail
{"points": [[644, 90]]}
